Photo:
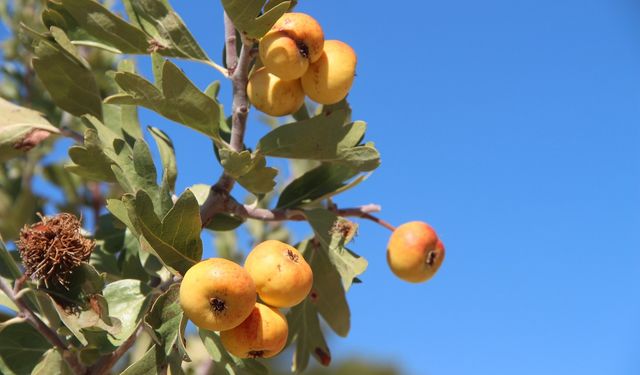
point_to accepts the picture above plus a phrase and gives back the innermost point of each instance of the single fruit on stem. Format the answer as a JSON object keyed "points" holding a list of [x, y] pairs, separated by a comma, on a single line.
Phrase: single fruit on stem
{"points": [[262, 335], [415, 252], [294, 41], [272, 95], [217, 294], [328, 80], [282, 277]]}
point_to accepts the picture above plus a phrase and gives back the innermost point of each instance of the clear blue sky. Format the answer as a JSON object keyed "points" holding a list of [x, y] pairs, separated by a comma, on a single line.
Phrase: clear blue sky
{"points": [[513, 128]]}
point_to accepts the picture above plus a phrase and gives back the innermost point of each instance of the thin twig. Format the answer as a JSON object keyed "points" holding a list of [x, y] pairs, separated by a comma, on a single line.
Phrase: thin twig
{"points": [[39, 325], [376, 219], [248, 212], [104, 365], [69, 133], [65, 130]]}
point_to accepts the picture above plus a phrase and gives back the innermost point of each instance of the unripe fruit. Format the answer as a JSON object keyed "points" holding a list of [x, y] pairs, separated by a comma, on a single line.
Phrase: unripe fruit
{"points": [[217, 294], [273, 95], [414, 252], [282, 277], [294, 40], [328, 80], [262, 335]]}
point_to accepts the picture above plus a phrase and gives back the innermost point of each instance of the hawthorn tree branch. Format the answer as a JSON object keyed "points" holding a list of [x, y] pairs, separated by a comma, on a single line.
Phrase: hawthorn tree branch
{"points": [[230, 44], [238, 66], [40, 326], [230, 205]]}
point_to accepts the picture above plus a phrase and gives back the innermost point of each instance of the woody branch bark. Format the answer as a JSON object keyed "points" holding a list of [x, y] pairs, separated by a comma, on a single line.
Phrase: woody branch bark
{"points": [[238, 65]]}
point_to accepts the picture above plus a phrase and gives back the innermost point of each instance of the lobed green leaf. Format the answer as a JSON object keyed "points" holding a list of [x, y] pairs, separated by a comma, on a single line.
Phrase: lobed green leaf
{"points": [[175, 239], [174, 97], [328, 293], [67, 77], [325, 137], [249, 18], [333, 233], [166, 320], [171, 37], [305, 331]]}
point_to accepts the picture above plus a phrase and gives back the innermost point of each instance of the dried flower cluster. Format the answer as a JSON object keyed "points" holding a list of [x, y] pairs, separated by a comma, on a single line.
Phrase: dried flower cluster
{"points": [[53, 247]]}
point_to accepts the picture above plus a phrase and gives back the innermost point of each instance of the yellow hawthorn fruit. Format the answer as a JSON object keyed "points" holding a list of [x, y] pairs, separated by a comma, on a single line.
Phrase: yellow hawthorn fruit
{"points": [[282, 277], [328, 80], [415, 252], [262, 335], [280, 54], [294, 40], [272, 95], [217, 294]]}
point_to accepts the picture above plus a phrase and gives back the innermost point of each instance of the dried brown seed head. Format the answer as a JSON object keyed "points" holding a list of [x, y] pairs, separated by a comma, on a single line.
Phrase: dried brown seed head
{"points": [[53, 247]]}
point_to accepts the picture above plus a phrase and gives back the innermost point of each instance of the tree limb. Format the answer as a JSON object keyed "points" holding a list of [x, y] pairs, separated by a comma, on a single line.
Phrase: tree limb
{"points": [[238, 67], [45, 330], [230, 205]]}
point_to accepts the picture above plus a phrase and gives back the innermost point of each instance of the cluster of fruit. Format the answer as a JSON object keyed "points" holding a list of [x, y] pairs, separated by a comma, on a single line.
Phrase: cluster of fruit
{"points": [[297, 61], [220, 295]]}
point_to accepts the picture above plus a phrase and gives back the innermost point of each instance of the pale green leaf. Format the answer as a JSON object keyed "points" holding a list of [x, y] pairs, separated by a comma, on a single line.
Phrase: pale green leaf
{"points": [[89, 160], [8, 267], [249, 18], [153, 362], [70, 82], [225, 363], [167, 154], [7, 302], [328, 294], [16, 124], [325, 137], [123, 118], [176, 238], [178, 99], [52, 364], [315, 184], [305, 331], [334, 233], [166, 320], [105, 26], [128, 300], [249, 170], [110, 233], [171, 36]]}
